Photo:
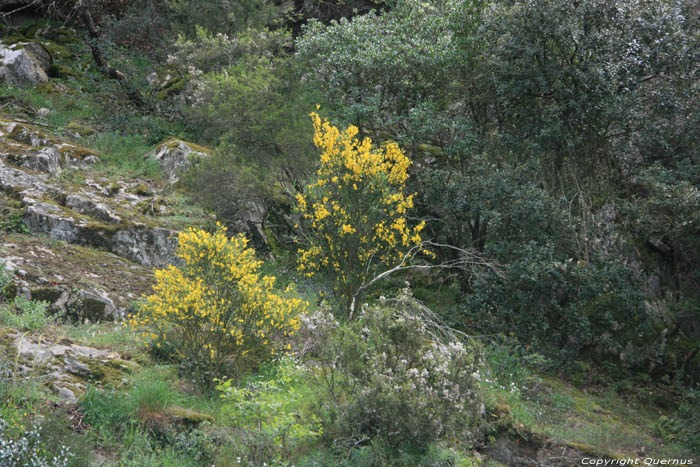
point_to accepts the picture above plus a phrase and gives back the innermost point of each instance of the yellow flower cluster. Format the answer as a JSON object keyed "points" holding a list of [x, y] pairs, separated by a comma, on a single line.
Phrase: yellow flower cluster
{"points": [[356, 209], [216, 308]]}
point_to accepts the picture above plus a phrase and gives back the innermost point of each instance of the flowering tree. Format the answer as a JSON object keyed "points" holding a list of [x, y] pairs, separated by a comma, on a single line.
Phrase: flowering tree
{"points": [[216, 310], [356, 211]]}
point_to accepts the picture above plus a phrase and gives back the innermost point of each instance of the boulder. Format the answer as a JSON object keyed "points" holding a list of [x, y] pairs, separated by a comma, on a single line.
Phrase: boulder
{"points": [[176, 155], [19, 66], [78, 130], [79, 283], [67, 368], [39, 52]]}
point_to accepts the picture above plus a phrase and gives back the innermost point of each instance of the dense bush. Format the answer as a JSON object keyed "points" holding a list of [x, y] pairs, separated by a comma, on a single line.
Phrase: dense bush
{"points": [[569, 309], [267, 413], [221, 16], [243, 96], [216, 309], [374, 69], [142, 26], [29, 450], [22, 313], [393, 375], [355, 213]]}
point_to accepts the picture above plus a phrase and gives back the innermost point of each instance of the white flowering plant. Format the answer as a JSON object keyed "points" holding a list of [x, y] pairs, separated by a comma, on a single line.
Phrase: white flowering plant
{"points": [[398, 375], [28, 450]]}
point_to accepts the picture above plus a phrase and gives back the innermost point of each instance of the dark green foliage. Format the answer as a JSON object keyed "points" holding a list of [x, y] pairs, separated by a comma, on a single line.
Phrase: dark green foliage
{"points": [[682, 427], [568, 309], [575, 80], [143, 27], [528, 119], [225, 17], [246, 99], [373, 70]]}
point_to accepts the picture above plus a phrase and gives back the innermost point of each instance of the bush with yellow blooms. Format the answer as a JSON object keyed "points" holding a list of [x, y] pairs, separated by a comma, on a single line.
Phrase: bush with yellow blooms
{"points": [[215, 310], [355, 211]]}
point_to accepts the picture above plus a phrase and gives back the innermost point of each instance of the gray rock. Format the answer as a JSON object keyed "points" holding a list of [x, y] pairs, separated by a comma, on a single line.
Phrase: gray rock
{"points": [[75, 367], [91, 208], [20, 67], [175, 156], [65, 367], [39, 52], [97, 306], [26, 135], [44, 160], [148, 246], [66, 395]]}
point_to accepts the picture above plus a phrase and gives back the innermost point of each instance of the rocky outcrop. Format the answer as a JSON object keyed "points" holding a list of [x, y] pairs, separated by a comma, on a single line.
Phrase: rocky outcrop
{"points": [[79, 283], [123, 217], [25, 146], [20, 64], [176, 155], [65, 368]]}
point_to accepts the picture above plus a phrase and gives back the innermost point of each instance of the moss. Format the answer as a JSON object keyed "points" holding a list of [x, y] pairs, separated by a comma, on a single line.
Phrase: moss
{"points": [[14, 39], [21, 133], [46, 294], [50, 89], [595, 452], [56, 50], [81, 130], [31, 30], [93, 310], [430, 149], [113, 189], [61, 72], [150, 207], [174, 143], [188, 416], [75, 152], [111, 372], [171, 87], [13, 148], [11, 290], [141, 189]]}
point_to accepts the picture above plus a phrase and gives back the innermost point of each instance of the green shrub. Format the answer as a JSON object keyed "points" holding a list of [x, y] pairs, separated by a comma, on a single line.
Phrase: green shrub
{"points": [[5, 279], [569, 310], [510, 364], [682, 427], [23, 313], [270, 415], [143, 27], [243, 95], [395, 375]]}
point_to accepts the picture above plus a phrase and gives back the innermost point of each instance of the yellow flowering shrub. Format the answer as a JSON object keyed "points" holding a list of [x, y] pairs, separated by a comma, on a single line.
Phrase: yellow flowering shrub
{"points": [[215, 310], [356, 211]]}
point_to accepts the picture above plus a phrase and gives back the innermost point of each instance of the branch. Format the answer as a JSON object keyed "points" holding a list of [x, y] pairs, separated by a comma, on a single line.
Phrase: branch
{"points": [[467, 258], [101, 61], [5, 14]]}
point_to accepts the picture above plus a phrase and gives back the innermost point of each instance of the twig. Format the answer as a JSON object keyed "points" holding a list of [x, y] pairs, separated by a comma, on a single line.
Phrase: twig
{"points": [[467, 258]]}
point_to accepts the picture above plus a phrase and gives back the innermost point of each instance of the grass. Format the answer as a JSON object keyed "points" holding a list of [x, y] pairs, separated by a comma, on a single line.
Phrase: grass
{"points": [[25, 314], [105, 335], [133, 425], [124, 155], [610, 425]]}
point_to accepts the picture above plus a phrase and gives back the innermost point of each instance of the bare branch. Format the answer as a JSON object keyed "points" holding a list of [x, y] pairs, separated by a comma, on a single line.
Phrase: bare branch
{"points": [[466, 259]]}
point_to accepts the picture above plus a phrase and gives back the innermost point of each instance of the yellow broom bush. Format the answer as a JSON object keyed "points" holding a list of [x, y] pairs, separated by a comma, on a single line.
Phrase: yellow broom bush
{"points": [[216, 311], [356, 211]]}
